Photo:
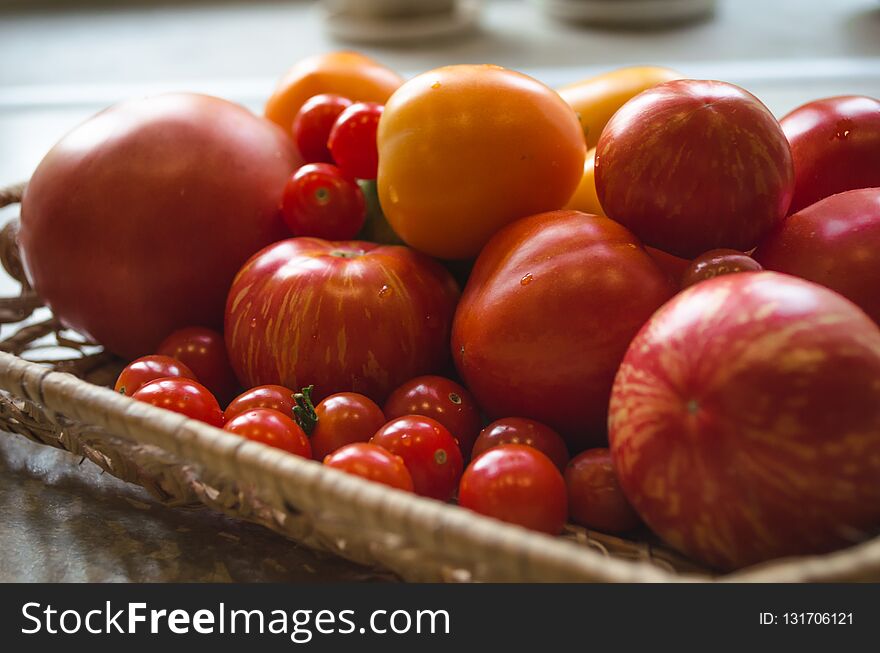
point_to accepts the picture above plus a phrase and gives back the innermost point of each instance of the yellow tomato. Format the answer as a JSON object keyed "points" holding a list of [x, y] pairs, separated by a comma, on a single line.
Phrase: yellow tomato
{"points": [[597, 99], [349, 74], [585, 198], [464, 150]]}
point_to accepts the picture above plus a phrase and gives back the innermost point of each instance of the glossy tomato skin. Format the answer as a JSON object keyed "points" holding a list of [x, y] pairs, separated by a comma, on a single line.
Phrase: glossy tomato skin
{"points": [[373, 463], [517, 484], [441, 399], [271, 427], [717, 262], [519, 430], [352, 140], [834, 242], [546, 316], [429, 452], [312, 125], [595, 499], [276, 397], [344, 418], [157, 209], [349, 74], [183, 396], [446, 185], [835, 145], [344, 316], [149, 368], [204, 352], [319, 200], [748, 408], [693, 165]]}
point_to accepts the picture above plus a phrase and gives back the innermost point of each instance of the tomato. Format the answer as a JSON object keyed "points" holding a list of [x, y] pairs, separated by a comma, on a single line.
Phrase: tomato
{"points": [[341, 419], [694, 165], [275, 397], [320, 201], [312, 125], [595, 499], [204, 352], [349, 74], [835, 145], [516, 484], [183, 396], [149, 368], [353, 140], [597, 98], [519, 430], [135, 223], [547, 314], [346, 316], [429, 452], [372, 463], [585, 198], [464, 150], [717, 262], [834, 242], [745, 420], [443, 400], [271, 427], [675, 267]]}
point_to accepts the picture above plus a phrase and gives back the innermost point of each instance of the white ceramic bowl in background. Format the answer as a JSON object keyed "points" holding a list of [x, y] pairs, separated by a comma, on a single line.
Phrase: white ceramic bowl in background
{"points": [[628, 13]]}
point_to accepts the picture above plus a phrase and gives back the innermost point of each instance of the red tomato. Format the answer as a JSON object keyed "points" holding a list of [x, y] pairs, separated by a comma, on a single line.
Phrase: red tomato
{"points": [[341, 419], [270, 427], [183, 396], [312, 125], [717, 262], [149, 368], [835, 145], [372, 463], [546, 316], [135, 223], [674, 266], [275, 397], [342, 315], [320, 201], [834, 242], [519, 430], [745, 420], [516, 484], [595, 499], [693, 165], [204, 352], [429, 452], [353, 140], [441, 399]]}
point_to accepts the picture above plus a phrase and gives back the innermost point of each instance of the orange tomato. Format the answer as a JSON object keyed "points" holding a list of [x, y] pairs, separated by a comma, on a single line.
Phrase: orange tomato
{"points": [[349, 74], [598, 98], [585, 198], [464, 150]]}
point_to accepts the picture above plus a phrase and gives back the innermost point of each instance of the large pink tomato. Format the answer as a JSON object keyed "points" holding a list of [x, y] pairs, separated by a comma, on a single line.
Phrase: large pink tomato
{"points": [[135, 223], [344, 316], [834, 242], [693, 165], [546, 316], [835, 145], [745, 420]]}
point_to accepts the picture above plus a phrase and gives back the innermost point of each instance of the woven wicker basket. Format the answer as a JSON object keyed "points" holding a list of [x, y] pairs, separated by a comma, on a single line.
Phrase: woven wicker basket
{"points": [[67, 405]]}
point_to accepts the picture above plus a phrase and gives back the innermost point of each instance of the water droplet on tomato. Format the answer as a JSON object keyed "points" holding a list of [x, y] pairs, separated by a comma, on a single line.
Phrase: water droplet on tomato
{"points": [[526, 280], [843, 128], [435, 85], [384, 290], [253, 322]]}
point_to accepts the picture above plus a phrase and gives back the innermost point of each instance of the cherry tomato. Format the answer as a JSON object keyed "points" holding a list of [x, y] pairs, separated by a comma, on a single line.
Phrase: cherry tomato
{"points": [[276, 397], [204, 352], [595, 499], [516, 484], [183, 396], [353, 140], [312, 125], [429, 452], [373, 463], [716, 262], [149, 368], [341, 419], [320, 201], [520, 430], [273, 428], [441, 399]]}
